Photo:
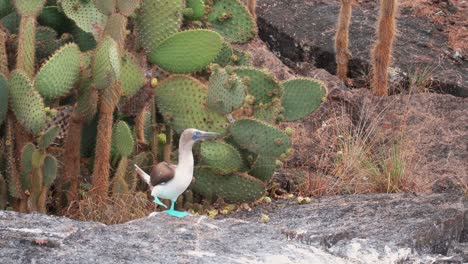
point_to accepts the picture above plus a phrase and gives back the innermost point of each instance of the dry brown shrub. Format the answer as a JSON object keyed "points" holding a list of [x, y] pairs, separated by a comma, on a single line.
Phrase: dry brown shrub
{"points": [[111, 210]]}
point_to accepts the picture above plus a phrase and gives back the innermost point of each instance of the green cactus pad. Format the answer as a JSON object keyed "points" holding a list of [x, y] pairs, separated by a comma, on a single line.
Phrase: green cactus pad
{"points": [[158, 20], [221, 157], [59, 74], [116, 28], [88, 104], [122, 139], [260, 85], [234, 188], [49, 171], [232, 20], [188, 51], [86, 15], [37, 159], [269, 113], [131, 75], [127, 7], [29, 7], [225, 92], [259, 137], [6, 6], [52, 17], [46, 43], [107, 7], [263, 168], [84, 39], [48, 138], [241, 58], [182, 102], [26, 165], [3, 98], [11, 22], [198, 8], [106, 66], [224, 56], [26, 103], [301, 97]]}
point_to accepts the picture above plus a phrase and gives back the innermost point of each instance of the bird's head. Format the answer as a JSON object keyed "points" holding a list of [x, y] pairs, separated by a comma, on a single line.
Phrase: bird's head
{"points": [[192, 135]]}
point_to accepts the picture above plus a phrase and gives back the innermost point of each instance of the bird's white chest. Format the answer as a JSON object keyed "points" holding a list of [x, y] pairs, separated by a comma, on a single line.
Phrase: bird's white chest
{"points": [[181, 181]]}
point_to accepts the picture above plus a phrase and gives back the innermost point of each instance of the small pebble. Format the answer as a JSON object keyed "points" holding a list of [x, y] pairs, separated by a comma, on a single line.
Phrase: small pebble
{"points": [[264, 218]]}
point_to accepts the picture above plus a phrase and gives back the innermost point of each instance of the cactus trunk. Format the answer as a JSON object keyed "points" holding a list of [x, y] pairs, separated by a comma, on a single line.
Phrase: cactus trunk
{"points": [[69, 183], [100, 181], [342, 39], [26, 45], [168, 147], [140, 127], [382, 52], [3, 54]]}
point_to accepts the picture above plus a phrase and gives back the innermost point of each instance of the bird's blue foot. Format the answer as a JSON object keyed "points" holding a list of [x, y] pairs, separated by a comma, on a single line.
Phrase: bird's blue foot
{"points": [[157, 201], [178, 214]]}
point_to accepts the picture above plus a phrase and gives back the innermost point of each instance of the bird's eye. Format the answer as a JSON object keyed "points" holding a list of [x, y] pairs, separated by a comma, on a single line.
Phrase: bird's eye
{"points": [[196, 135]]}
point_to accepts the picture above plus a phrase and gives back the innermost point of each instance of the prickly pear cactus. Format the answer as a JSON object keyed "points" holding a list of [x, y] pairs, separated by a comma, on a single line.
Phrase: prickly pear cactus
{"points": [[187, 51], [3, 98], [181, 100], [232, 20], [301, 97]]}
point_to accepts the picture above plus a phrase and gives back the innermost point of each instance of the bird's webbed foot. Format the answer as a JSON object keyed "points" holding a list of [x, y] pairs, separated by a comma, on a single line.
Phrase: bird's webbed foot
{"points": [[178, 214], [157, 201]]}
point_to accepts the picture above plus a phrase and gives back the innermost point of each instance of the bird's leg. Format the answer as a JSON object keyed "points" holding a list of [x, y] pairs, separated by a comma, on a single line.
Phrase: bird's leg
{"points": [[175, 213], [157, 201]]}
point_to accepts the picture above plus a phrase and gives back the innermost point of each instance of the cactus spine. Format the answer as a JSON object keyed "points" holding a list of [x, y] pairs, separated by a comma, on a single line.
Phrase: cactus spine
{"points": [[342, 39], [382, 52]]}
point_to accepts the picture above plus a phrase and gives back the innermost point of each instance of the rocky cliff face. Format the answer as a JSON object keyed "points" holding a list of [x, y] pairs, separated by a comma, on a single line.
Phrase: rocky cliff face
{"points": [[402, 228], [303, 32]]}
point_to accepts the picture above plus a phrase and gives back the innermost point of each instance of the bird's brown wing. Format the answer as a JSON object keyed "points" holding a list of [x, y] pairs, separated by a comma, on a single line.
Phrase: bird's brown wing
{"points": [[162, 173]]}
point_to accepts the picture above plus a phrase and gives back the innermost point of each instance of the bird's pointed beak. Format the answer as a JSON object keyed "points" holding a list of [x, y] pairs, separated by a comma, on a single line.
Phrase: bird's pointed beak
{"points": [[209, 135]]}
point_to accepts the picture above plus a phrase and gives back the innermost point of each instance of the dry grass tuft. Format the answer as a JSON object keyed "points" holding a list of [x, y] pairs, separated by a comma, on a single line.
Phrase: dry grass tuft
{"points": [[111, 210], [364, 156]]}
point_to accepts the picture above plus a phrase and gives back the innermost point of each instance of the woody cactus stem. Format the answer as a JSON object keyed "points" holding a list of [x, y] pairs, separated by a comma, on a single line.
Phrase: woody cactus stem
{"points": [[3, 54], [140, 127], [100, 181], [382, 52], [26, 45], [252, 5], [342, 39], [69, 183], [168, 147]]}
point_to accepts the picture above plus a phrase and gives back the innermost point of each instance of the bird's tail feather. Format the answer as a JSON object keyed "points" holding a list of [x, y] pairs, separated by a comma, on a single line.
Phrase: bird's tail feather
{"points": [[144, 176]]}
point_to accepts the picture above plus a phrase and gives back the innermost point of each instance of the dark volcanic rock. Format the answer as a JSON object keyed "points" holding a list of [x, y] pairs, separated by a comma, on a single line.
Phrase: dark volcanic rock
{"points": [[303, 31], [347, 229]]}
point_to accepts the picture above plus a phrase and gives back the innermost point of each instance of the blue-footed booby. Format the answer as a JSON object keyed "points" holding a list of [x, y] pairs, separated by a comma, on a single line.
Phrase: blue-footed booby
{"points": [[168, 181]]}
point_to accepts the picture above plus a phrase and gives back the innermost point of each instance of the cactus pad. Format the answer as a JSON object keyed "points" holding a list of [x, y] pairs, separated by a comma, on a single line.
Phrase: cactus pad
{"points": [[234, 188], [122, 139], [106, 66], [232, 20], [26, 103], [188, 51], [49, 171], [107, 7], [86, 15], [263, 168], [3, 98], [260, 84], [158, 20], [224, 56], [6, 6], [181, 100], [198, 8], [127, 7], [116, 28], [221, 157], [52, 17], [11, 22], [48, 138], [131, 75], [59, 74], [26, 165], [29, 7], [301, 97], [225, 92], [259, 137], [46, 43]]}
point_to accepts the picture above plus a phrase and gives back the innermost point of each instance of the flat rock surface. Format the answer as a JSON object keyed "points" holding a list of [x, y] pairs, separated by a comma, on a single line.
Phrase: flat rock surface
{"points": [[304, 31], [345, 229]]}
